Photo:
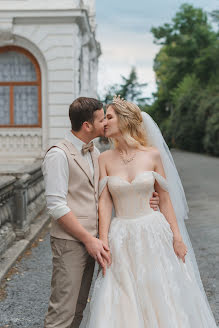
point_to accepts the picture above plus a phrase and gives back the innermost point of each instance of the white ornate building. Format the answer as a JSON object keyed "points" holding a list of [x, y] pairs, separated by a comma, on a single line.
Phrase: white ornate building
{"points": [[48, 57]]}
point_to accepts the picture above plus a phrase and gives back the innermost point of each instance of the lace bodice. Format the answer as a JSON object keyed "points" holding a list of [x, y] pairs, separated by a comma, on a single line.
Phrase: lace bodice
{"points": [[132, 199]]}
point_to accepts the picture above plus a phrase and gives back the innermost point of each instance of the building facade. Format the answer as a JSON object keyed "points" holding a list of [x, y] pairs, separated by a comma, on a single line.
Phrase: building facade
{"points": [[48, 57]]}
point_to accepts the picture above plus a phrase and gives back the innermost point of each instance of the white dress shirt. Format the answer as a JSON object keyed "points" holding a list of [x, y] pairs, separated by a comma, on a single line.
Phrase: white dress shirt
{"points": [[56, 175]]}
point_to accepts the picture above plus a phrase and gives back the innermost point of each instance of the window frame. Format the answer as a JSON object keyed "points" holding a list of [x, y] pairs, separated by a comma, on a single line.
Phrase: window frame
{"points": [[12, 84]]}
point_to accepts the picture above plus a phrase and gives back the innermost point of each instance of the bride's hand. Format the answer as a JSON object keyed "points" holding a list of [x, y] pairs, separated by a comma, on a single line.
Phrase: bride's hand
{"points": [[180, 249], [107, 264]]}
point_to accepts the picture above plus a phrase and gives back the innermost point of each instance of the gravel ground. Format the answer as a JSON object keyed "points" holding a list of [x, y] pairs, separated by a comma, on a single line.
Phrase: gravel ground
{"points": [[24, 294], [28, 289]]}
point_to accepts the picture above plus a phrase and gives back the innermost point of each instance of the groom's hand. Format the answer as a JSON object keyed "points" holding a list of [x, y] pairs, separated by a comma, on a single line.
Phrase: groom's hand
{"points": [[98, 250], [154, 201]]}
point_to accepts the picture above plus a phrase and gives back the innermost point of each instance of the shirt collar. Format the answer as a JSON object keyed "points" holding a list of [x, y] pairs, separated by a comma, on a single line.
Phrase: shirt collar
{"points": [[78, 143]]}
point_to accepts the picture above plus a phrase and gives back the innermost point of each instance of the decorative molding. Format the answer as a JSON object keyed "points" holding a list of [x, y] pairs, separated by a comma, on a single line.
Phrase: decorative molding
{"points": [[39, 4], [20, 141], [17, 132], [6, 31], [89, 5], [59, 16]]}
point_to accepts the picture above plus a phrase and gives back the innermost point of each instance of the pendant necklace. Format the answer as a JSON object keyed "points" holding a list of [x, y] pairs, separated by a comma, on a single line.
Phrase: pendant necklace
{"points": [[126, 160]]}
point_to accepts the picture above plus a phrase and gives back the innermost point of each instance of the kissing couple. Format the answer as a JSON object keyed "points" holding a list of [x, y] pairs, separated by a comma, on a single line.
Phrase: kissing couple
{"points": [[149, 276]]}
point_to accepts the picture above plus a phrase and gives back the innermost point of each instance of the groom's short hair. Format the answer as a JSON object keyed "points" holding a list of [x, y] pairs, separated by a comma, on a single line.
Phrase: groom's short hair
{"points": [[81, 110]]}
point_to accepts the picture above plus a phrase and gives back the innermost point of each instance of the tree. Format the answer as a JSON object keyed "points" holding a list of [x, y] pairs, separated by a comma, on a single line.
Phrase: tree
{"points": [[187, 73], [208, 113], [130, 89], [185, 129], [187, 44], [215, 15]]}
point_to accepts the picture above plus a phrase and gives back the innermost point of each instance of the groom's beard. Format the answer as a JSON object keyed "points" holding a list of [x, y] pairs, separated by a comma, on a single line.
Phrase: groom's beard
{"points": [[98, 132]]}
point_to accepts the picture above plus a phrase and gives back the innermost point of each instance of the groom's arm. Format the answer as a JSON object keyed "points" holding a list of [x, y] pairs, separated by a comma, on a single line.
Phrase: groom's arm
{"points": [[95, 247], [56, 175]]}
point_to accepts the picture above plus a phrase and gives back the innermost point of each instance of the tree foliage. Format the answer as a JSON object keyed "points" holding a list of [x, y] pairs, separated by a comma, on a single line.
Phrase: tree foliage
{"points": [[130, 89], [187, 68], [215, 15]]}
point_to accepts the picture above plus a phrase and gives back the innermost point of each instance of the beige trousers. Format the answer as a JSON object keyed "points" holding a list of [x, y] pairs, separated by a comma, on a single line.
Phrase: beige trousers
{"points": [[71, 279]]}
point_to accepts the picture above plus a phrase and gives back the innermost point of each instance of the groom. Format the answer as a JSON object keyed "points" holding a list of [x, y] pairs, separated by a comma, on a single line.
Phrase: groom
{"points": [[71, 175]]}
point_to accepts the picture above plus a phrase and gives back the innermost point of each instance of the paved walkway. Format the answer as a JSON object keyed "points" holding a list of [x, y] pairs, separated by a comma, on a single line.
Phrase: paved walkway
{"points": [[200, 176], [25, 297]]}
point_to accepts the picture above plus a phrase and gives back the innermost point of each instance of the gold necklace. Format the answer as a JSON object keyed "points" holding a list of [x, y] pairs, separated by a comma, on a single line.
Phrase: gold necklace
{"points": [[126, 160]]}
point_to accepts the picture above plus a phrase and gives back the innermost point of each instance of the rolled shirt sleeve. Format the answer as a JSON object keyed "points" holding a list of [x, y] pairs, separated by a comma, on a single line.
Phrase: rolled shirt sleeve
{"points": [[56, 175]]}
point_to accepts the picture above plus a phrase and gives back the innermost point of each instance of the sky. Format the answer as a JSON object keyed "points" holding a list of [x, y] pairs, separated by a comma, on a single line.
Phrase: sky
{"points": [[123, 30]]}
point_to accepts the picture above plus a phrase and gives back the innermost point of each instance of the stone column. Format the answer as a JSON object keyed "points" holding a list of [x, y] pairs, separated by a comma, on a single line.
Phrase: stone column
{"points": [[21, 226]]}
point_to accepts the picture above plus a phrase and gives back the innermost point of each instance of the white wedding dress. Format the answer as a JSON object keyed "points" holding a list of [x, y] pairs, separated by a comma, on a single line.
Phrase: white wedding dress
{"points": [[147, 285]]}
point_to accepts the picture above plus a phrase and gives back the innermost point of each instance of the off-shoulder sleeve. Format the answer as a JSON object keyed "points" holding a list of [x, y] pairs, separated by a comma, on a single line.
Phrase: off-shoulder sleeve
{"points": [[162, 182], [102, 184]]}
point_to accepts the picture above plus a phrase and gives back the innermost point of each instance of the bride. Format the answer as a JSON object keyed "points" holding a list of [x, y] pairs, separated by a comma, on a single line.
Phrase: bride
{"points": [[153, 280]]}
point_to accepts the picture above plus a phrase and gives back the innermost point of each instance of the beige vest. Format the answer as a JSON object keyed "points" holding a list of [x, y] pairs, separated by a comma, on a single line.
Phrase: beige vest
{"points": [[82, 197]]}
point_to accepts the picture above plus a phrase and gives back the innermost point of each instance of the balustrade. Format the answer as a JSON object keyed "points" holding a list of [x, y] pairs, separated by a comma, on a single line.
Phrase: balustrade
{"points": [[21, 202]]}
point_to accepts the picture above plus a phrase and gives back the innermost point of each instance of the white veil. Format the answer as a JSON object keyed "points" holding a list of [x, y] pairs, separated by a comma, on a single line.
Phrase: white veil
{"points": [[175, 187]]}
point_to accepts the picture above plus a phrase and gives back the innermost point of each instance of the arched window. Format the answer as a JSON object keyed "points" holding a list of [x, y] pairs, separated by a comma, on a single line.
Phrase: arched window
{"points": [[20, 88]]}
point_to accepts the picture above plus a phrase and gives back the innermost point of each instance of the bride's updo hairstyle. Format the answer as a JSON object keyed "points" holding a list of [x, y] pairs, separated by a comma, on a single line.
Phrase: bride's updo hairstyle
{"points": [[130, 122]]}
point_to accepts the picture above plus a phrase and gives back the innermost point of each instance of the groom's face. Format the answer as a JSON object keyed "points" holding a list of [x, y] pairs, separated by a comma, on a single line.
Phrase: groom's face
{"points": [[99, 123]]}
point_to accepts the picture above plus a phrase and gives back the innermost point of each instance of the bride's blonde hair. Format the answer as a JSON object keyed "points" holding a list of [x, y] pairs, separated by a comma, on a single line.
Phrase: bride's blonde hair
{"points": [[130, 122]]}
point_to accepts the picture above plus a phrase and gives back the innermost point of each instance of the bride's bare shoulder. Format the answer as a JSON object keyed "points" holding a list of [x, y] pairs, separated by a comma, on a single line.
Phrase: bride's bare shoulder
{"points": [[153, 151]]}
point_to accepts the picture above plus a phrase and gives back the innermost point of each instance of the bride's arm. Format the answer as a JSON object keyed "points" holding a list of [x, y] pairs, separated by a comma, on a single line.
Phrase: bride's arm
{"points": [[105, 203], [167, 209]]}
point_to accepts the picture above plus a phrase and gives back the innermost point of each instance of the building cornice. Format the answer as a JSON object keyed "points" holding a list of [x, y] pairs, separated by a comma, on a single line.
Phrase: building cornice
{"points": [[54, 16]]}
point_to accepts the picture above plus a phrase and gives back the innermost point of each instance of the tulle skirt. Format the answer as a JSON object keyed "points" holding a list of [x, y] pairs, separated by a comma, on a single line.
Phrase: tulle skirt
{"points": [[147, 285]]}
